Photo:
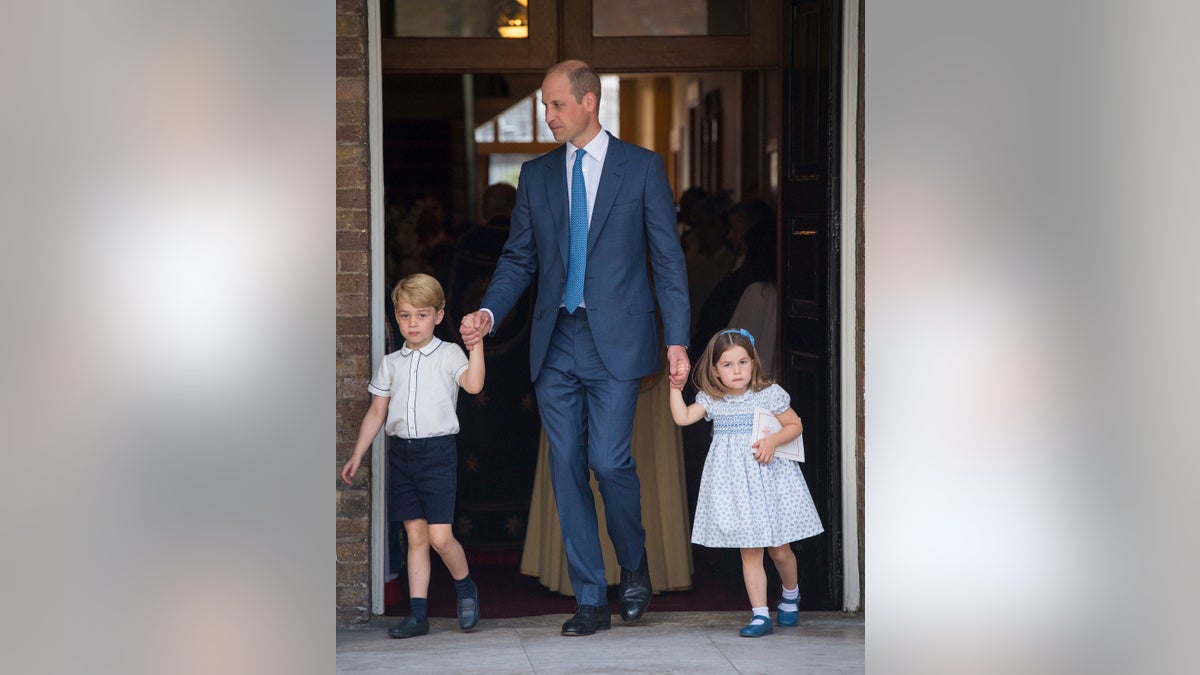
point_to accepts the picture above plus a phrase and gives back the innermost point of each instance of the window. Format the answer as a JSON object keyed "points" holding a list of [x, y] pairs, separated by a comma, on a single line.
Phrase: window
{"points": [[459, 18], [520, 133]]}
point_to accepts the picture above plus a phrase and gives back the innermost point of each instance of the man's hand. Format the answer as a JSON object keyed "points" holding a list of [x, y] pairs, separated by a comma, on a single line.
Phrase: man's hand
{"points": [[474, 326], [678, 358]]}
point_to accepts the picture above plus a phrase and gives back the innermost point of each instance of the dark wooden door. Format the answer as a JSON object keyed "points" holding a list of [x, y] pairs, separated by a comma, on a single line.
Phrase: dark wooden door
{"points": [[810, 160]]}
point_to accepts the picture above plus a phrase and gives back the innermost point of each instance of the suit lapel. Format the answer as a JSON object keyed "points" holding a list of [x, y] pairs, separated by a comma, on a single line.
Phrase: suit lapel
{"points": [[606, 192]]}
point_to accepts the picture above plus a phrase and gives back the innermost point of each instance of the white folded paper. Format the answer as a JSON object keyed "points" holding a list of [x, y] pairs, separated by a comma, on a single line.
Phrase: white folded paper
{"points": [[766, 424]]}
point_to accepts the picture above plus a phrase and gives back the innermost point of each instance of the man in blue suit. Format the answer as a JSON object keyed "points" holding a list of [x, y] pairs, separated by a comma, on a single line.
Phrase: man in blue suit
{"points": [[595, 223]]}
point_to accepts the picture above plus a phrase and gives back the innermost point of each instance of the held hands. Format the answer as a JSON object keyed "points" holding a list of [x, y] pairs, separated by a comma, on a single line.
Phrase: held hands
{"points": [[473, 327], [677, 383], [680, 368], [682, 413]]}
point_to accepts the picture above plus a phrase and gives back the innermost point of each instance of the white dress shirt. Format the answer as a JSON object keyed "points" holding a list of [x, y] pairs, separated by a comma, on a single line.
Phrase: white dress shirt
{"points": [[593, 164], [423, 388]]}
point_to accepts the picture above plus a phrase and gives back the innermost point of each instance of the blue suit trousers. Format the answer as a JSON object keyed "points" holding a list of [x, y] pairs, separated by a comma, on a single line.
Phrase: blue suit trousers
{"points": [[588, 417]]}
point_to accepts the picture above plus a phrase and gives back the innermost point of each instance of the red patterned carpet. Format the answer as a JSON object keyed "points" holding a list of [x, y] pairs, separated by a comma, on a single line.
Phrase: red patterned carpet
{"points": [[505, 592]]}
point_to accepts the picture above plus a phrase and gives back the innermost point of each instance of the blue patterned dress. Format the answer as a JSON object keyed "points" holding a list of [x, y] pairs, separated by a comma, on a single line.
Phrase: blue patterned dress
{"points": [[744, 504]]}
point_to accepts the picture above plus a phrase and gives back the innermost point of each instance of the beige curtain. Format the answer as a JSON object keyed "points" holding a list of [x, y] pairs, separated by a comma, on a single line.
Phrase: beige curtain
{"points": [[657, 449]]}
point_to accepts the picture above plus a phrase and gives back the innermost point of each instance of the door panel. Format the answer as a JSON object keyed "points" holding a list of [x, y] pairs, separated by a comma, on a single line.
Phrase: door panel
{"points": [[810, 161], [757, 48]]}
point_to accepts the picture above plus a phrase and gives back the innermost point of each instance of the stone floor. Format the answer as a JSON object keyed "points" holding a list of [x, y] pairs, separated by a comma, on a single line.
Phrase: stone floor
{"points": [[661, 642]]}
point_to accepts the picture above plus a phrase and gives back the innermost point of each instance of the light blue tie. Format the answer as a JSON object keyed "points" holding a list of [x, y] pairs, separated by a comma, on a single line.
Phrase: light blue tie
{"points": [[577, 256]]}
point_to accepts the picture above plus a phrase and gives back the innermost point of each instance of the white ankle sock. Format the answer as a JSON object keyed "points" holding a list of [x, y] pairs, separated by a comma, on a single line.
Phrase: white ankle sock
{"points": [[791, 600], [758, 611]]}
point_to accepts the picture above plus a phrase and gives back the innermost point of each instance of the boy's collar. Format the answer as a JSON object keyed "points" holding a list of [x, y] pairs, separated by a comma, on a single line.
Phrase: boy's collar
{"points": [[433, 344]]}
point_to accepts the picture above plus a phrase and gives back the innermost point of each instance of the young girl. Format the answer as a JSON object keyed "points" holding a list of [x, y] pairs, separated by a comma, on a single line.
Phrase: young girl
{"points": [[748, 498]]}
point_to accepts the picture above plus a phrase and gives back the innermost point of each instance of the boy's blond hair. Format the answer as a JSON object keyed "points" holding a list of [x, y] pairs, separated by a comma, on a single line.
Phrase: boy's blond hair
{"points": [[419, 290], [705, 374]]}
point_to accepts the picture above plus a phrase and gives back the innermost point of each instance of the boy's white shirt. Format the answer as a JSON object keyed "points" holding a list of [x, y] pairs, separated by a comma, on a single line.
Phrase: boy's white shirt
{"points": [[423, 387]]}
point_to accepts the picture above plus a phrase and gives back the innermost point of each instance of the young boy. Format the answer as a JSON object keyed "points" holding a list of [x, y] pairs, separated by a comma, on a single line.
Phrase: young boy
{"points": [[415, 392]]}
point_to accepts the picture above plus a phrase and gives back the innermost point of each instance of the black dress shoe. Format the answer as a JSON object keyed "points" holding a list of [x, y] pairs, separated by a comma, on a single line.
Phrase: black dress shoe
{"points": [[468, 613], [409, 627], [587, 620], [635, 591]]}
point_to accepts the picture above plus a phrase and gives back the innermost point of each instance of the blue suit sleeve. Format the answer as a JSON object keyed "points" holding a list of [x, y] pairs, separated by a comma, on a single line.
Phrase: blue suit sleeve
{"points": [[518, 263], [666, 256]]}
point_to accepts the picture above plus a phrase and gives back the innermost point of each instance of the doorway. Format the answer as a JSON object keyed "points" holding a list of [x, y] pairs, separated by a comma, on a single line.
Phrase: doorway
{"points": [[721, 157]]}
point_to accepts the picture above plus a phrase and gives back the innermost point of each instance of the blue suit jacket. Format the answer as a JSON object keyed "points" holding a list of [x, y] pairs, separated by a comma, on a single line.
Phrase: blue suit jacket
{"points": [[633, 222]]}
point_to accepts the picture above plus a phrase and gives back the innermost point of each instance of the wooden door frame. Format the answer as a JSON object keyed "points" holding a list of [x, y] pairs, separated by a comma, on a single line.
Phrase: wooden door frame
{"points": [[379, 524], [561, 29], [758, 49], [851, 336], [480, 55]]}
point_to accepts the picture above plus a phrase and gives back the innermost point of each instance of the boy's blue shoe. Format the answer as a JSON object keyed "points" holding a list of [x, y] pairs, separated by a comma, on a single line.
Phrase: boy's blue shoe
{"points": [[758, 629], [468, 613], [787, 618], [409, 627]]}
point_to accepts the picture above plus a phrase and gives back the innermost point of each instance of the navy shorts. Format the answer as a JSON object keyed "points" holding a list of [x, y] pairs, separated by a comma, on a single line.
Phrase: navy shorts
{"points": [[422, 478]]}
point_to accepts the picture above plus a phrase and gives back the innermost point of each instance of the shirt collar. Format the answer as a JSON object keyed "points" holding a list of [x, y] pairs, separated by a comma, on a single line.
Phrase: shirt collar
{"points": [[428, 349], [596, 149]]}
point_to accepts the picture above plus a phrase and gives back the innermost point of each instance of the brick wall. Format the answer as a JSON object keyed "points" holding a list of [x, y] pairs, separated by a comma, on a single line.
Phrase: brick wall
{"points": [[353, 310]]}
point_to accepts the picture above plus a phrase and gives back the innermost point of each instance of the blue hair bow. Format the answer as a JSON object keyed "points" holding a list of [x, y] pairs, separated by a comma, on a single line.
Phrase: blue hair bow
{"points": [[739, 331]]}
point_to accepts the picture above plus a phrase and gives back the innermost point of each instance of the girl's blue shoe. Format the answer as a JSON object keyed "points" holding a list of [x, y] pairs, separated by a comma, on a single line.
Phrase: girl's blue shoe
{"points": [[787, 618], [758, 629]]}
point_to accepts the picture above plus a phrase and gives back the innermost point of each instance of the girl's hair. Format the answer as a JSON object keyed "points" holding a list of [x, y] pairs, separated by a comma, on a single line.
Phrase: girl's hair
{"points": [[419, 290], [705, 374]]}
